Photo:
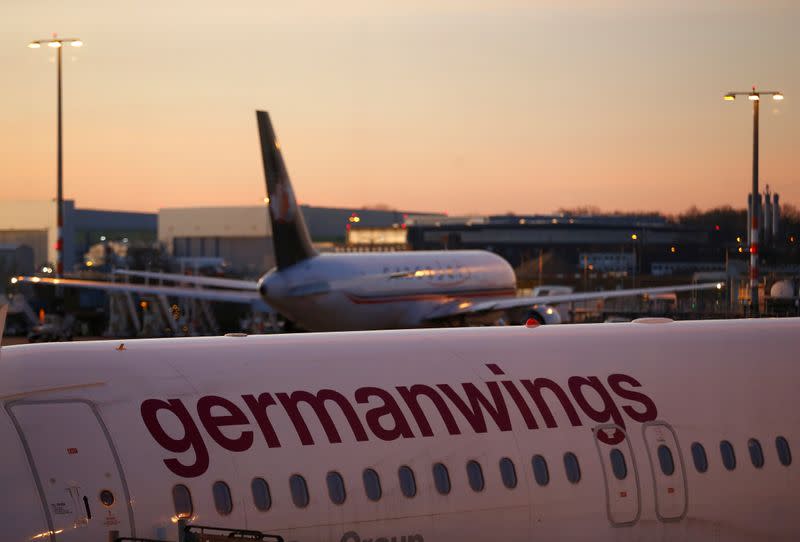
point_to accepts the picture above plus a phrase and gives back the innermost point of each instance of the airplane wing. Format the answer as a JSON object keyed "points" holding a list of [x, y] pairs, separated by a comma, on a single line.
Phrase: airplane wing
{"points": [[218, 282], [462, 307], [231, 296]]}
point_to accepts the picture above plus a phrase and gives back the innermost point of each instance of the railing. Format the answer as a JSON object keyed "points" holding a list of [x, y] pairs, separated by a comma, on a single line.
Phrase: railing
{"points": [[203, 533]]}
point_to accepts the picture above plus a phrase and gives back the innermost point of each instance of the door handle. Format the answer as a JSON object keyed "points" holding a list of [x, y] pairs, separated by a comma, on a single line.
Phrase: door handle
{"points": [[86, 505]]}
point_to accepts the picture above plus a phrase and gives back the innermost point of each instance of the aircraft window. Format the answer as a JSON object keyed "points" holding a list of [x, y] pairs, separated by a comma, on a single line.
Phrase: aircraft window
{"points": [[784, 453], [665, 460], [261, 496], [508, 473], [756, 453], [372, 485], [699, 456], [618, 464], [572, 467], [408, 484], [475, 476], [299, 489], [107, 498], [728, 457], [336, 488], [222, 498], [540, 471], [182, 499], [441, 478]]}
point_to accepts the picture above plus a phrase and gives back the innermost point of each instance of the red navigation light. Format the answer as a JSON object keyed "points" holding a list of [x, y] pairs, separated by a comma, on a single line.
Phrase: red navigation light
{"points": [[716, 227], [532, 322]]}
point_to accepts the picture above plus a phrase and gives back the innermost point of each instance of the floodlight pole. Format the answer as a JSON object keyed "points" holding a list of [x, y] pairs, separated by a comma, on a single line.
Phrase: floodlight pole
{"points": [[755, 211], [60, 182]]}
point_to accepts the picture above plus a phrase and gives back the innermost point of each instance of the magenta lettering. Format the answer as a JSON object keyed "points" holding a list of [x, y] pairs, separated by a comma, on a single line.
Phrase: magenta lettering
{"points": [[379, 413]]}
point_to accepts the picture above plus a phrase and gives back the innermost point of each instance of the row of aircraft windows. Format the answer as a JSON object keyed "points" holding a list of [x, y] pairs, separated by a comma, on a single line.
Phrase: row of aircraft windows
{"points": [[298, 487], [337, 493], [729, 456]]}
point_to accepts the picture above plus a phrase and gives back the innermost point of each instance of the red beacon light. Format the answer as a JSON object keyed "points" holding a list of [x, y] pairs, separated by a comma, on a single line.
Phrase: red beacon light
{"points": [[532, 322]]}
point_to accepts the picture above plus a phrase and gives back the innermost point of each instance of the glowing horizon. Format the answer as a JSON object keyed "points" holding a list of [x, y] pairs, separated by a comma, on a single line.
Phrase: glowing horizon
{"points": [[476, 107]]}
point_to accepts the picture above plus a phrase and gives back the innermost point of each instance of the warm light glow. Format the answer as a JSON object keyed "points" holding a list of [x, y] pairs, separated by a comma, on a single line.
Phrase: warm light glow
{"points": [[14, 280], [729, 97], [36, 279], [634, 237], [76, 43], [777, 96], [54, 44], [719, 286], [89, 263], [741, 249], [753, 97], [549, 310], [464, 304], [266, 200], [738, 239], [34, 45]]}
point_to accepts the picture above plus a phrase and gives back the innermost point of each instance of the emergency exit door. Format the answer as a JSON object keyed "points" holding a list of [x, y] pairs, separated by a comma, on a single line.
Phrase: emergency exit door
{"points": [[667, 467], [621, 475], [77, 471]]}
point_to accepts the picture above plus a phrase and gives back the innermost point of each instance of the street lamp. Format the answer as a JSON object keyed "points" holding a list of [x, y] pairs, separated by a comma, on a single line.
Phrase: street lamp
{"points": [[755, 97], [58, 43]]}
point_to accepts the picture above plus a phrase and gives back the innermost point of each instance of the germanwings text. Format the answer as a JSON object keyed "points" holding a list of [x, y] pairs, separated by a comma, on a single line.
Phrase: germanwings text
{"points": [[376, 413]]}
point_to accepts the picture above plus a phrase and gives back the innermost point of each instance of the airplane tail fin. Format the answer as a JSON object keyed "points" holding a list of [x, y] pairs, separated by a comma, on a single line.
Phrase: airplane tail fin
{"points": [[290, 236]]}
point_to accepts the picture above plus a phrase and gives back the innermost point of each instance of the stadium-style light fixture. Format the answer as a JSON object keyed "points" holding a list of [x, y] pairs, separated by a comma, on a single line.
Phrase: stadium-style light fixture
{"points": [[754, 96], [58, 43]]}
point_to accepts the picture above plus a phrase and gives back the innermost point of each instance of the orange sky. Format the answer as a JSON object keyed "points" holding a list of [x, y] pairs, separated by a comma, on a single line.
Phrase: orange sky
{"points": [[467, 106]]}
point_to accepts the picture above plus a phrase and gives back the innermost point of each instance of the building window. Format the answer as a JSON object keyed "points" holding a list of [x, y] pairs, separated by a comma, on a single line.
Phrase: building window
{"points": [[784, 453], [261, 496], [699, 457], [299, 489], [540, 471], [756, 453], [665, 460], [408, 484], [618, 464], [572, 468], [441, 479], [372, 485], [508, 473], [222, 498], [728, 457], [475, 476], [182, 499]]}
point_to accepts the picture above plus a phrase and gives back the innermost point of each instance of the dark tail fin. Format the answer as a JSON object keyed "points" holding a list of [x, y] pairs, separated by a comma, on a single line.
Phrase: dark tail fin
{"points": [[289, 233]]}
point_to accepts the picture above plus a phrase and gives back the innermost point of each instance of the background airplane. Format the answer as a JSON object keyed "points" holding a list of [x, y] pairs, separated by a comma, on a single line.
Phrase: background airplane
{"points": [[359, 291]]}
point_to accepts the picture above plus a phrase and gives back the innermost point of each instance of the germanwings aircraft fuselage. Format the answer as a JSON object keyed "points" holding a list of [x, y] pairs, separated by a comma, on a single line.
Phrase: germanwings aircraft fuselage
{"points": [[641, 431]]}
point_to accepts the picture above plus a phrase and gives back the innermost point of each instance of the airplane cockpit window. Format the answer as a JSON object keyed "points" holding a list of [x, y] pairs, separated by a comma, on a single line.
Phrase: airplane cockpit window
{"points": [[299, 489], [540, 471], [408, 484], [261, 495], [336, 487], [618, 464], [475, 476], [756, 453], [728, 457], [665, 460], [372, 485], [441, 478], [572, 468], [784, 453], [182, 499], [222, 498], [699, 457], [508, 473]]}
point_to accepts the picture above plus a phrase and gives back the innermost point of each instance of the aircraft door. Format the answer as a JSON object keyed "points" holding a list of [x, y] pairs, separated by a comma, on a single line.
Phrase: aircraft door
{"points": [[667, 467], [621, 475], [77, 471]]}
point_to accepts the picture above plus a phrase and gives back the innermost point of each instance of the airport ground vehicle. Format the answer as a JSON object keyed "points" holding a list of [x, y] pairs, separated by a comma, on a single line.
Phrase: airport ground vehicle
{"points": [[638, 431]]}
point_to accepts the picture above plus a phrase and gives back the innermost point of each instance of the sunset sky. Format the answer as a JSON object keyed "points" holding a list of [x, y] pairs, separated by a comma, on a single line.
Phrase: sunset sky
{"points": [[462, 106]]}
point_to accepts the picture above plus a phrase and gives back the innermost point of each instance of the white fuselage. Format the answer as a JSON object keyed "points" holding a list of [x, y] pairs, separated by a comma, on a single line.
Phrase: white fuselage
{"points": [[162, 417], [356, 291]]}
